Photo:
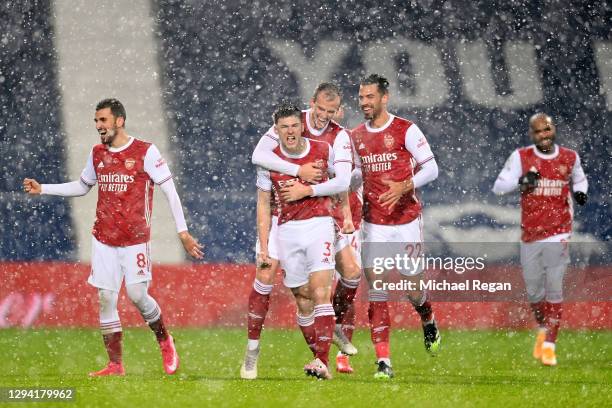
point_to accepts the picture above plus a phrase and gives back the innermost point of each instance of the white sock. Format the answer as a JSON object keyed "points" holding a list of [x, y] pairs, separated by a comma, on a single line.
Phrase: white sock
{"points": [[387, 361], [252, 344]]}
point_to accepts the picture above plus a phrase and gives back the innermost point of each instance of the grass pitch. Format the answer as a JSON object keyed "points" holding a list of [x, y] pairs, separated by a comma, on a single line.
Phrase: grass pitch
{"points": [[474, 368]]}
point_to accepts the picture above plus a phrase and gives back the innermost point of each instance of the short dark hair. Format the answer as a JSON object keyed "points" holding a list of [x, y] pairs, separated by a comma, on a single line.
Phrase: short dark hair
{"points": [[328, 89], [380, 81], [116, 107], [285, 110]]}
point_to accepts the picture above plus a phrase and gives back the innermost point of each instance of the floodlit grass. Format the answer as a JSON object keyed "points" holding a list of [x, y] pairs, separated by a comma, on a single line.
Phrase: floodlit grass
{"points": [[475, 368]]}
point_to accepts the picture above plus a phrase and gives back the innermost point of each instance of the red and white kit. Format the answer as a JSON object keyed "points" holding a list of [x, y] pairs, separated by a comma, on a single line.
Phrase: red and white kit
{"points": [[546, 215], [547, 211], [392, 152], [122, 228], [305, 227], [336, 136]]}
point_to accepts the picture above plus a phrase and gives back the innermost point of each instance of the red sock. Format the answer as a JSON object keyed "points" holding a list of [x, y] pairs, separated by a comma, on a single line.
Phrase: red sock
{"points": [[380, 323], [258, 309], [539, 312], [344, 296], [112, 342], [425, 311], [307, 326], [382, 350], [553, 313], [348, 322], [324, 326], [159, 328]]}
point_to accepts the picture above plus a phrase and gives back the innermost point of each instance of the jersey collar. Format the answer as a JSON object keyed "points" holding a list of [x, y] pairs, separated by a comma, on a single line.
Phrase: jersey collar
{"points": [[383, 127], [546, 156], [296, 156], [122, 148]]}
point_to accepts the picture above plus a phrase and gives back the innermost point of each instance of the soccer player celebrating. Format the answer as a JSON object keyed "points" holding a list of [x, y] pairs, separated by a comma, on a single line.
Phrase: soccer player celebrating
{"points": [[306, 231], [126, 170], [389, 151], [318, 126], [543, 172]]}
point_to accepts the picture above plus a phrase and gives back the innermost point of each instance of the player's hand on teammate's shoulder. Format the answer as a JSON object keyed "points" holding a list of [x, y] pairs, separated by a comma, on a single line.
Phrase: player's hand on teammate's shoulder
{"points": [[395, 192], [294, 191], [191, 245], [31, 186], [310, 173]]}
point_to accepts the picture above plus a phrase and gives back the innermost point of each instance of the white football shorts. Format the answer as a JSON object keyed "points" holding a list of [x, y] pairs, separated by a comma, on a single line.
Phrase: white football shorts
{"points": [[306, 246], [380, 242], [110, 265]]}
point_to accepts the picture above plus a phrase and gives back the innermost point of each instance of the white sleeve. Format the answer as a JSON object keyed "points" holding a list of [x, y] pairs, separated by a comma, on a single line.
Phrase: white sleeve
{"points": [[427, 173], [508, 178], [343, 148], [88, 175], [155, 166], [263, 179], [73, 189], [356, 175], [264, 155], [175, 204], [339, 183], [579, 180], [419, 148]]}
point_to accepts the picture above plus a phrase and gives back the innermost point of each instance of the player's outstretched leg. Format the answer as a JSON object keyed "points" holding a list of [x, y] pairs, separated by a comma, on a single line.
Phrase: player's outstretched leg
{"points": [[553, 321], [112, 335], [324, 326], [380, 326], [539, 313], [151, 313], [343, 364]]}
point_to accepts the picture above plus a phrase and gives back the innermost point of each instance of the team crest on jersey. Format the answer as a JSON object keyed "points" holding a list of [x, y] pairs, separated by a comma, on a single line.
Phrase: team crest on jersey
{"points": [[319, 163], [129, 163], [389, 141], [563, 169]]}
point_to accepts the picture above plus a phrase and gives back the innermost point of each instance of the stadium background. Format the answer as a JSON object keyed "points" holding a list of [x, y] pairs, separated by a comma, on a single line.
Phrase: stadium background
{"points": [[201, 82]]}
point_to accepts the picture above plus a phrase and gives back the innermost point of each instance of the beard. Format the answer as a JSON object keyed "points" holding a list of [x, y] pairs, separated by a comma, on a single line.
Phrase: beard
{"points": [[108, 138]]}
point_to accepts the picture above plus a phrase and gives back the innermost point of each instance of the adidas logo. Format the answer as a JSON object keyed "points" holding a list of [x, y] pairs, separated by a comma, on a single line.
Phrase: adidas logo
{"points": [[325, 260], [140, 273], [101, 165], [361, 146]]}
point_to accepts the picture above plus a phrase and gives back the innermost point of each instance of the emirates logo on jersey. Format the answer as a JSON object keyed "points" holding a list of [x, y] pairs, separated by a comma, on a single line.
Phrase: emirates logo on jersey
{"points": [[129, 163], [388, 140]]}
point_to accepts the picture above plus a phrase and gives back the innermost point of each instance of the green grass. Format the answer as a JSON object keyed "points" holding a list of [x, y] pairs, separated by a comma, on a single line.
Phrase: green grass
{"points": [[475, 368]]}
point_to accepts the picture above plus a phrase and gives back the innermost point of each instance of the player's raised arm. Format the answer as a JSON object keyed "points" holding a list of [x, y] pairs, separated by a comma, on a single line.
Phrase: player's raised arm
{"points": [[264, 156], [157, 168], [72, 189], [508, 179], [580, 184]]}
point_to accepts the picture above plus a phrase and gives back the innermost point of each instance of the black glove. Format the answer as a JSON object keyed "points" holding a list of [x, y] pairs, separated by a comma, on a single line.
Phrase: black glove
{"points": [[580, 197], [529, 181]]}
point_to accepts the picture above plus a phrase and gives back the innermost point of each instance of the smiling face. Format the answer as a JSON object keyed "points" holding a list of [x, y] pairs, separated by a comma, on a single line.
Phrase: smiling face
{"points": [[107, 125], [290, 130], [372, 102], [323, 109], [542, 131]]}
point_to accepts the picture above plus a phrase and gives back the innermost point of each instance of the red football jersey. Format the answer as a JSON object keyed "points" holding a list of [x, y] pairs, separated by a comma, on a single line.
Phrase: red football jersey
{"points": [[307, 207], [384, 157], [547, 210], [125, 178]]}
